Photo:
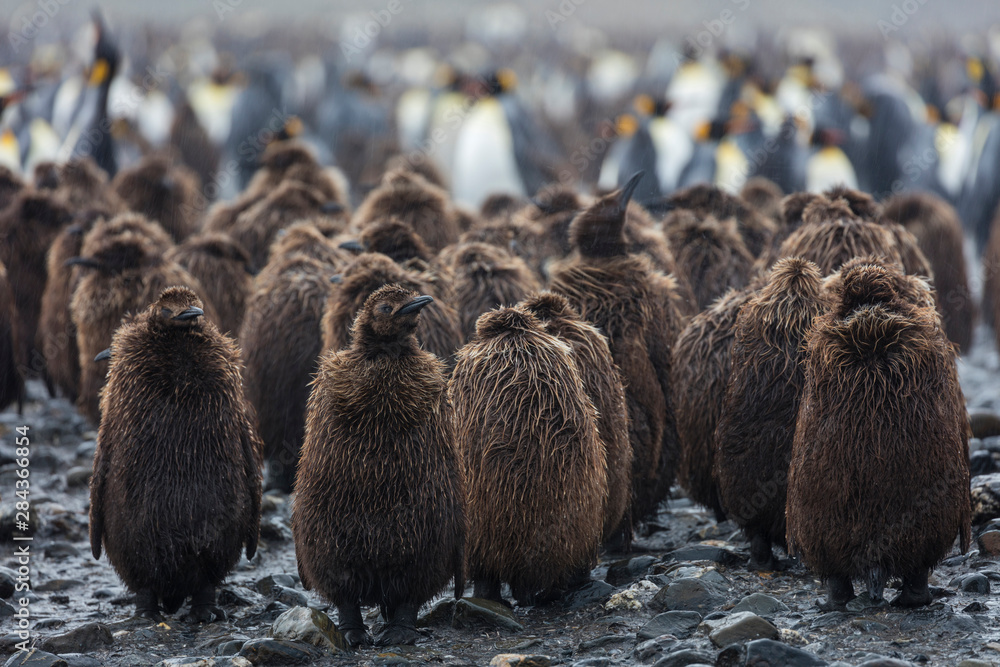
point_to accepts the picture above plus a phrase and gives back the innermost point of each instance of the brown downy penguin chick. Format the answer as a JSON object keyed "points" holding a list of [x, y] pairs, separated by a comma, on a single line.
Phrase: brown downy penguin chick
{"points": [[705, 200], [290, 160], [832, 234], [516, 235], [256, 228], [80, 183], [763, 196], [407, 196], [307, 238], [938, 231], [121, 275], [500, 206], [524, 422], [281, 343], [487, 277], [710, 253], [27, 228], [223, 269], [395, 239], [879, 481], [11, 378], [602, 382], [56, 336], [789, 218], [10, 185], [911, 289], [621, 295], [175, 495], [439, 330], [753, 439], [166, 194], [702, 362], [379, 514], [554, 209], [423, 168], [193, 146]]}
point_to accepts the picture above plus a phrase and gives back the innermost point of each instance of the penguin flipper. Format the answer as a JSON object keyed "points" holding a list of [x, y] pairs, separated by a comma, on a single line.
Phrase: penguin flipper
{"points": [[459, 572], [252, 455], [101, 465]]}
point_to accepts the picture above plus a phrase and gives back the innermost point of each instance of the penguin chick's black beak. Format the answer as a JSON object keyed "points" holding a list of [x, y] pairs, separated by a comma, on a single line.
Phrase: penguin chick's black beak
{"points": [[629, 189], [189, 314], [353, 246], [415, 305], [86, 262], [331, 208], [106, 354], [336, 278]]}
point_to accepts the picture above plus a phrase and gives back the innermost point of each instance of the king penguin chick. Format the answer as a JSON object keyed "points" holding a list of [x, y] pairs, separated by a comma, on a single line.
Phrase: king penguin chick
{"points": [[379, 515], [628, 301], [175, 495]]}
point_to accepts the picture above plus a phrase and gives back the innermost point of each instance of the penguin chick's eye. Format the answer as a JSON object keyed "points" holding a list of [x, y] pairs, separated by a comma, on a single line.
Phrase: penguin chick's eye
{"points": [[385, 309], [165, 312]]}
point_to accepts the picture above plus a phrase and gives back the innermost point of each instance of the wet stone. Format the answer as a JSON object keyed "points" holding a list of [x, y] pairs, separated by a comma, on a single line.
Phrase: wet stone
{"points": [[80, 660], [685, 658], [975, 608], [770, 653], [78, 476], [6, 609], [960, 624], [886, 662], [972, 582], [868, 626], [83, 639], [275, 530], [626, 571], [594, 592], [231, 647], [761, 604], [57, 585], [592, 662], [35, 658], [985, 498], [706, 552], [654, 647], [290, 597], [310, 626], [989, 543], [742, 626], [438, 615], [687, 594], [680, 624], [266, 585], [864, 601], [60, 550], [597, 642], [974, 663], [235, 596], [278, 652], [518, 660], [476, 612], [7, 583], [828, 620]]}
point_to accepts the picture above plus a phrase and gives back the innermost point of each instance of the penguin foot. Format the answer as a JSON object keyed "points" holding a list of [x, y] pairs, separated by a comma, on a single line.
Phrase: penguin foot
{"points": [[352, 626], [915, 593], [396, 634], [761, 557], [488, 590], [841, 591], [205, 613], [147, 606]]}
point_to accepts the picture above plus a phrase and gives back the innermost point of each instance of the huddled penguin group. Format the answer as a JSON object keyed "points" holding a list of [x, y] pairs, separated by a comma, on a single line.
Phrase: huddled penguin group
{"points": [[493, 396]]}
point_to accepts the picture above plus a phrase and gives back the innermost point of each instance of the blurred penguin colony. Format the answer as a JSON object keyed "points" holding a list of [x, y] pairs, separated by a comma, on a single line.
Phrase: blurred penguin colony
{"points": [[482, 307]]}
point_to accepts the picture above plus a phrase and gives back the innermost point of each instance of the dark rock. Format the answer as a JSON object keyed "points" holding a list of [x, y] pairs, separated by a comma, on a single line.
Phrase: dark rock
{"points": [[106, 593], [864, 601], [597, 642], [828, 620], [390, 659], [438, 615], [973, 582], [626, 571], [982, 463], [687, 594], [275, 530], [955, 560], [654, 647], [476, 612], [266, 585], [310, 626], [35, 658], [916, 621], [289, 596], [989, 543], [984, 424], [279, 652], [85, 450], [231, 647], [235, 596], [685, 658], [680, 624], [771, 653], [60, 550], [80, 660], [985, 497], [591, 593], [761, 604], [959, 624], [740, 627], [83, 639], [868, 626], [976, 608], [49, 623], [6, 609], [57, 585], [7, 583], [707, 552], [592, 662]]}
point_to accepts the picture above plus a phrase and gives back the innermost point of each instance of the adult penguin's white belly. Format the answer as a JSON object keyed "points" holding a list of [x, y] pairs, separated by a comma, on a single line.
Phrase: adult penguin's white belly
{"points": [[827, 168], [484, 157], [674, 149]]}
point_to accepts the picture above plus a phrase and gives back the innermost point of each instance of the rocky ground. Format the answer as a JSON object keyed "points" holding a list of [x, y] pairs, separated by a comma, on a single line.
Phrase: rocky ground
{"points": [[683, 596]]}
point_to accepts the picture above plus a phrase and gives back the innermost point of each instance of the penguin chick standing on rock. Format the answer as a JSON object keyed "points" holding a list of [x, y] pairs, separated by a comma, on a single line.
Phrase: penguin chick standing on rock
{"points": [[878, 486], [535, 467], [753, 440], [175, 495], [379, 517]]}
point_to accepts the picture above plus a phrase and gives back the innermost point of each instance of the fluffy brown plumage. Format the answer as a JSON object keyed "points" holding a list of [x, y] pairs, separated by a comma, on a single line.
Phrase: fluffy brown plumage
{"points": [[10, 185], [122, 274], [535, 468], [79, 183], [223, 269], [289, 160], [379, 513], [912, 289], [27, 228], [395, 239], [991, 278], [602, 383], [439, 330], [487, 277], [709, 253], [938, 232], [307, 238], [708, 200], [11, 377], [702, 362], [281, 342], [175, 495], [167, 194], [879, 481], [516, 235], [753, 439], [621, 295], [410, 198], [763, 196]]}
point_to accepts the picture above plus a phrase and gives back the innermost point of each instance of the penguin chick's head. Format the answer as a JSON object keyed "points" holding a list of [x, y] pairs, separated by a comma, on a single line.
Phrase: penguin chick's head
{"points": [[178, 307], [599, 230], [390, 315]]}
